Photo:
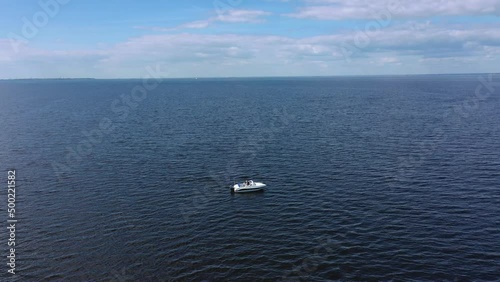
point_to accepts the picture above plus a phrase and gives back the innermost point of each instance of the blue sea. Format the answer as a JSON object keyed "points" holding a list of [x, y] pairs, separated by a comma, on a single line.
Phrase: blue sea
{"points": [[383, 178]]}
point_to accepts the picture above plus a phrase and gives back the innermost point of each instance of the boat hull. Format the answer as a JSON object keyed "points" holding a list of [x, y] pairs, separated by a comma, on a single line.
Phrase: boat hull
{"points": [[241, 188]]}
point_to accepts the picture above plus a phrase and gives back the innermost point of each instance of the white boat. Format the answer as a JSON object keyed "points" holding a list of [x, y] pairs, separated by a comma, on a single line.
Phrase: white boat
{"points": [[248, 186]]}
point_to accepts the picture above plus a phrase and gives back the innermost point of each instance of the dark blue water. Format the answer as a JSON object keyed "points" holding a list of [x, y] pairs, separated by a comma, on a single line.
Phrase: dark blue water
{"points": [[369, 178]]}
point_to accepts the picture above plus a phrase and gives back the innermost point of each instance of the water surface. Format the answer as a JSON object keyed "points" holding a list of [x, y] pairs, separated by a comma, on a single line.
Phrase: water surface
{"points": [[369, 178]]}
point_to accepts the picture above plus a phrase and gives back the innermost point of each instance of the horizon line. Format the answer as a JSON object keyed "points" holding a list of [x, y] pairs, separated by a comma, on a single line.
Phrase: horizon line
{"points": [[250, 77]]}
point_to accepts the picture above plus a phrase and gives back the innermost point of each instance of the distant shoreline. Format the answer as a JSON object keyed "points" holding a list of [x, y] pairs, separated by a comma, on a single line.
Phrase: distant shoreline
{"points": [[48, 79], [253, 77]]}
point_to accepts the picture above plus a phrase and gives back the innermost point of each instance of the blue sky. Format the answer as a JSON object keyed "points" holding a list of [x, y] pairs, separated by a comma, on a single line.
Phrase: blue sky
{"points": [[233, 38]]}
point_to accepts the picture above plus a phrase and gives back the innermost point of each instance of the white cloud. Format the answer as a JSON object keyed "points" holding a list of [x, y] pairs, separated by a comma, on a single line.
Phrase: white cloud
{"points": [[6, 50], [368, 9], [196, 24], [225, 16], [389, 60], [242, 16], [244, 55]]}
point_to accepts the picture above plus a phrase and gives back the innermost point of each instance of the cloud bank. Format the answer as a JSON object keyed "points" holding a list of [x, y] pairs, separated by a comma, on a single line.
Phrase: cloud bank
{"points": [[392, 38], [366, 9]]}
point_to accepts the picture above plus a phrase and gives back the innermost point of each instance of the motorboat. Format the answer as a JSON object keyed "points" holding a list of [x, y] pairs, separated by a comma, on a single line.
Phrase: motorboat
{"points": [[248, 186]]}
